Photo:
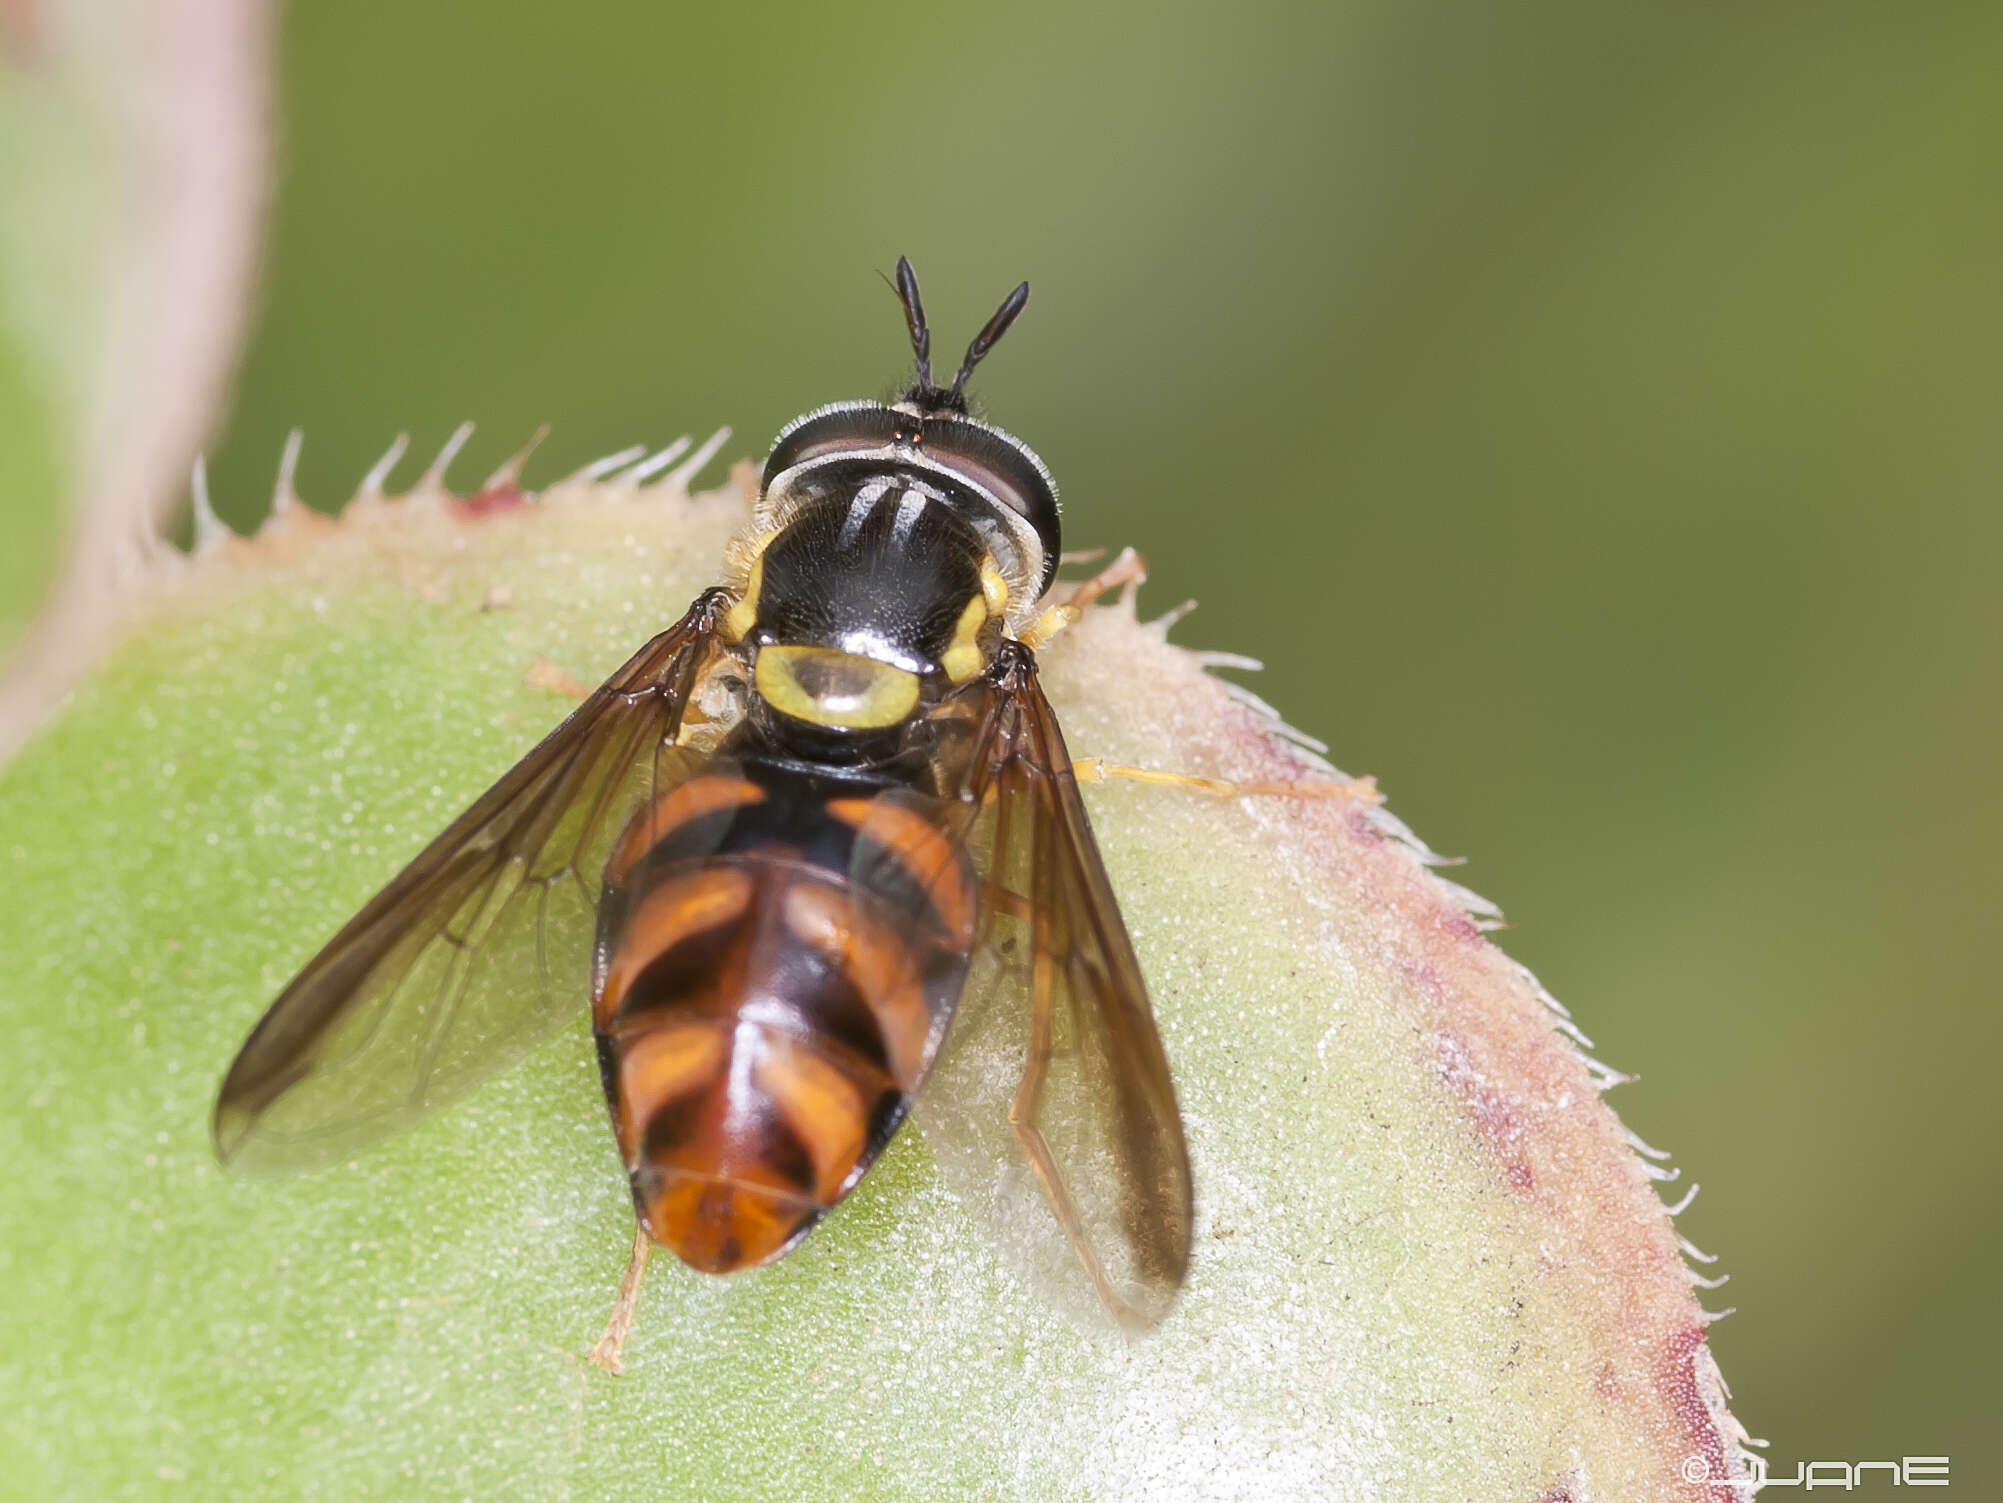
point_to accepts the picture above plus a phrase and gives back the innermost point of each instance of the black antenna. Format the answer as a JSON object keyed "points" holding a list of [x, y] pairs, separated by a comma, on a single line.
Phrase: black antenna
{"points": [[984, 341], [914, 318]]}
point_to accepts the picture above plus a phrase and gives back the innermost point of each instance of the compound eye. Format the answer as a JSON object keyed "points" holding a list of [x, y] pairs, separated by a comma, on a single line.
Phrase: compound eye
{"points": [[845, 427]]}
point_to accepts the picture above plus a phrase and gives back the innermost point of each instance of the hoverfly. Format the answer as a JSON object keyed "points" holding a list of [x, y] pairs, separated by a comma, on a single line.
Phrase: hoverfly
{"points": [[816, 853]]}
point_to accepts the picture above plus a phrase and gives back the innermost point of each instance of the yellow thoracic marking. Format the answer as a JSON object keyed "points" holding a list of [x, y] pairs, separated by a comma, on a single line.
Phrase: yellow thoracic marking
{"points": [[962, 659], [826, 686], [743, 616], [994, 589]]}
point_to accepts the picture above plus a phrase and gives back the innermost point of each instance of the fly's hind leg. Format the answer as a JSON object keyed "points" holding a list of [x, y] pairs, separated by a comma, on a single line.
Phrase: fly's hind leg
{"points": [[606, 1353], [1098, 770]]}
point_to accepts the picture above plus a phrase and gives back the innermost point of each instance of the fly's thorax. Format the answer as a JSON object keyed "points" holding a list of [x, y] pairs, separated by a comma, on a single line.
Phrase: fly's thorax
{"points": [[869, 605]]}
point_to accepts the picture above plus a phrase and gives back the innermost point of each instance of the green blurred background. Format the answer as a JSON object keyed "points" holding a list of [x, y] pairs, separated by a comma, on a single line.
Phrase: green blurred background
{"points": [[1589, 412]]}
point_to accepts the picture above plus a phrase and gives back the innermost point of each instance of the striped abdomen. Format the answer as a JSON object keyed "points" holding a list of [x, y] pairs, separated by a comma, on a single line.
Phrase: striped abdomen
{"points": [[778, 958]]}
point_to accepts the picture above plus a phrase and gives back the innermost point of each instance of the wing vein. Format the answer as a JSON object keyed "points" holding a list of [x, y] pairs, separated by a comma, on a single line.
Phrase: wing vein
{"points": [[465, 959]]}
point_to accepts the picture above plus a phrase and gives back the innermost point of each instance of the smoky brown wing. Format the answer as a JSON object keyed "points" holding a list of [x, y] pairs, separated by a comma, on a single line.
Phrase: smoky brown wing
{"points": [[1050, 1108], [476, 950]]}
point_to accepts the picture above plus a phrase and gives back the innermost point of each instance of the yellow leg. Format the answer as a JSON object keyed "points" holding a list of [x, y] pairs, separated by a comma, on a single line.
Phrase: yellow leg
{"points": [[1048, 625], [1125, 572], [1128, 570], [1097, 770], [606, 1353]]}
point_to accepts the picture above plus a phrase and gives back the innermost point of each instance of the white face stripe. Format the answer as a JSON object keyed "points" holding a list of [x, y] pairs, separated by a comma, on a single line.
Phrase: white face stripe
{"points": [[859, 510], [914, 502]]}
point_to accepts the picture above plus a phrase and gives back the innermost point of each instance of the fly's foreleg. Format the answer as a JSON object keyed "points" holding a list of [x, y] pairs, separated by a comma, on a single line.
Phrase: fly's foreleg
{"points": [[1124, 573]]}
